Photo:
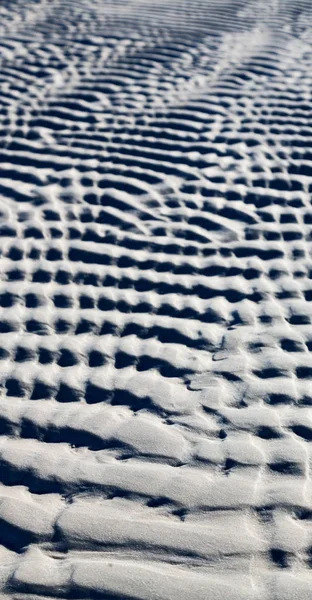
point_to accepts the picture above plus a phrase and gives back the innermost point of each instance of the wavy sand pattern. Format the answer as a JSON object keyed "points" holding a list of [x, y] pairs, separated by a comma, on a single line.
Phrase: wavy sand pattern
{"points": [[155, 329]]}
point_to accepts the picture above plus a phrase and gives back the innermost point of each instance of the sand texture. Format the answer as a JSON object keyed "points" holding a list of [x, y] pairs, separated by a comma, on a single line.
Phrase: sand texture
{"points": [[156, 299]]}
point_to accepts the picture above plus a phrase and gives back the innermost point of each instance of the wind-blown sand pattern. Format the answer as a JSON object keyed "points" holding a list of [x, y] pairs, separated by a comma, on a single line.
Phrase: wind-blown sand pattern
{"points": [[155, 332]]}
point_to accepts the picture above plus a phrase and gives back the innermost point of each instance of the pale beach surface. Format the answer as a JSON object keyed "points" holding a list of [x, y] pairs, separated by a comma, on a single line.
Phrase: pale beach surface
{"points": [[156, 299]]}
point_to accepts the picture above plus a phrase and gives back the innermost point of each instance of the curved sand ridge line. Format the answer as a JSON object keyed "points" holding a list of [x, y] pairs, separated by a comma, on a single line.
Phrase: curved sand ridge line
{"points": [[155, 294]]}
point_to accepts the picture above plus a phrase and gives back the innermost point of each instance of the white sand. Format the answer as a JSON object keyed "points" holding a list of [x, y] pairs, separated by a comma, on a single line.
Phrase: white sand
{"points": [[155, 293]]}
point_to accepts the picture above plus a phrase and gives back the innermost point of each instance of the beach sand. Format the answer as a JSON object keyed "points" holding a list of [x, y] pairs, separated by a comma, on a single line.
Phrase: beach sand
{"points": [[155, 294]]}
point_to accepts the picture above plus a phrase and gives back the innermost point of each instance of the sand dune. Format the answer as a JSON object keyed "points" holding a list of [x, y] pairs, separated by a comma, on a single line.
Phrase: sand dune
{"points": [[155, 293]]}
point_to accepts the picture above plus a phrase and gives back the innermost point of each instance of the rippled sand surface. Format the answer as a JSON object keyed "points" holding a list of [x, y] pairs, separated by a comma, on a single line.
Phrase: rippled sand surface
{"points": [[155, 327]]}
